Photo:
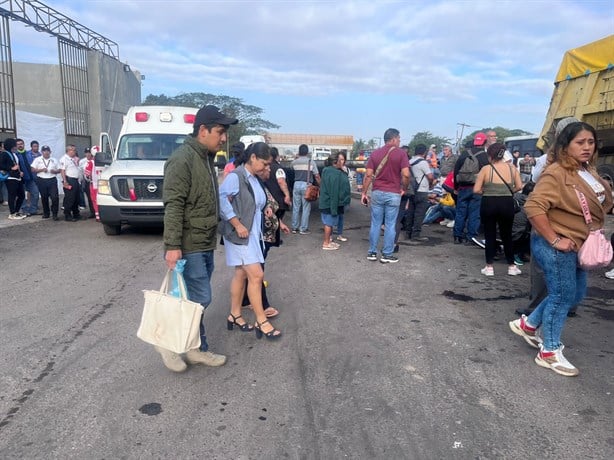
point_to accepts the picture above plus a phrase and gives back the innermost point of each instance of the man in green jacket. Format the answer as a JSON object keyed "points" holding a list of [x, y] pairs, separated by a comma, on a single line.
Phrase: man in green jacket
{"points": [[191, 216]]}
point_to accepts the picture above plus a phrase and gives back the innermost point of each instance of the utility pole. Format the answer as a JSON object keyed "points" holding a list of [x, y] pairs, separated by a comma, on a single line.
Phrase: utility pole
{"points": [[460, 137]]}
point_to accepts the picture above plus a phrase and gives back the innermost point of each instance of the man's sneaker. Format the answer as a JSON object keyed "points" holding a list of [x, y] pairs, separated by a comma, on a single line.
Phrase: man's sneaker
{"points": [[513, 270], [372, 256], [445, 222], [479, 243], [388, 259], [341, 238], [556, 361], [295, 230], [610, 274], [518, 261], [450, 224], [522, 328], [488, 271], [305, 232], [13, 217], [205, 357], [172, 360]]}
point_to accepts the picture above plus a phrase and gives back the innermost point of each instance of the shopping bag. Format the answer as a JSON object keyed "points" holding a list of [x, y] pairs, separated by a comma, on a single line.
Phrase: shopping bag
{"points": [[172, 323]]}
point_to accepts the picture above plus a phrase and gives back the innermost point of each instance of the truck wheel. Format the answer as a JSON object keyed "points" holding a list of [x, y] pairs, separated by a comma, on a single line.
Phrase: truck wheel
{"points": [[112, 229]]}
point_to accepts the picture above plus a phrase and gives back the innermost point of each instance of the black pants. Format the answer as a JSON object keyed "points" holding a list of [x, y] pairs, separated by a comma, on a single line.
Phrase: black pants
{"points": [[16, 193], [498, 210], [88, 194], [418, 204], [71, 198], [48, 189]]}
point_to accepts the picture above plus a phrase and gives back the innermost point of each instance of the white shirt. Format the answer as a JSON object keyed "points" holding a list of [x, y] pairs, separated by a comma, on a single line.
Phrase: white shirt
{"points": [[70, 165], [48, 164], [420, 169]]}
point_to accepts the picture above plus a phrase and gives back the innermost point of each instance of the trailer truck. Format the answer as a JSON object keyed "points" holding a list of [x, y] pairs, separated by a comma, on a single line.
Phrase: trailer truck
{"points": [[584, 88]]}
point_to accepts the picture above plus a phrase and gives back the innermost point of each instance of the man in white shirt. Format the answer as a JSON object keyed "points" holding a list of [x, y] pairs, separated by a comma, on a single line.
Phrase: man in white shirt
{"points": [[69, 168], [418, 202], [46, 168]]}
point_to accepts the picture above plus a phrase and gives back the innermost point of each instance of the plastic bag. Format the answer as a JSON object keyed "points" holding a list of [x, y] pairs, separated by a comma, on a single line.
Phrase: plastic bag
{"points": [[175, 280]]}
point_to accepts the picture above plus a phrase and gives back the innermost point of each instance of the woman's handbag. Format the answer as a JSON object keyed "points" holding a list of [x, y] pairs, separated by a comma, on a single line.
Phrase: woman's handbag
{"points": [[596, 251], [312, 192], [172, 323]]}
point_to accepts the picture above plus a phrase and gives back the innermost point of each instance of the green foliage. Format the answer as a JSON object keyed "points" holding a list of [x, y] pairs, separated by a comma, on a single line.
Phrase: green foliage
{"points": [[250, 116], [427, 138], [361, 144], [502, 133]]}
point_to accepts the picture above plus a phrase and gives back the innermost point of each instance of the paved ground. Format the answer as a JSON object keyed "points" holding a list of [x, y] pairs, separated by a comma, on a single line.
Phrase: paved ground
{"points": [[412, 360]]}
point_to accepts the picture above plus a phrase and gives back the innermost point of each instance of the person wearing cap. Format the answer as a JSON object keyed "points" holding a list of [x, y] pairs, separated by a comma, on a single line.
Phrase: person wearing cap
{"points": [[46, 168], [467, 222], [69, 168], [191, 215]]}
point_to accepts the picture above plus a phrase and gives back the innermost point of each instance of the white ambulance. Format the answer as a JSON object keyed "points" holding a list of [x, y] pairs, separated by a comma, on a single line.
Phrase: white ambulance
{"points": [[130, 188]]}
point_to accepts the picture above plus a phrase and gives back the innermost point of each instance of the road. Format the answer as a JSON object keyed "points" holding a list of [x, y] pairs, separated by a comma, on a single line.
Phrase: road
{"points": [[413, 360]]}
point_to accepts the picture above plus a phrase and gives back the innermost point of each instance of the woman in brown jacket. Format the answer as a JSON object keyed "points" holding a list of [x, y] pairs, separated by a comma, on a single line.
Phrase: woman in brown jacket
{"points": [[560, 230]]}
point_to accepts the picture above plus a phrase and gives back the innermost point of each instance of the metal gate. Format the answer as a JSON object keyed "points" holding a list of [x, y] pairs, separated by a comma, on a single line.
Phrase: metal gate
{"points": [[73, 70], [7, 94]]}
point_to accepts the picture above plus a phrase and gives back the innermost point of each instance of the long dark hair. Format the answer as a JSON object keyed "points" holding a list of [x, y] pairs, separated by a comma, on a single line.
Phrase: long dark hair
{"points": [[559, 154]]}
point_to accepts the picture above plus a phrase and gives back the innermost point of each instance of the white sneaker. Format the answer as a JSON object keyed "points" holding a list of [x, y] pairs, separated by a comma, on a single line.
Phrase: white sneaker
{"points": [[12, 217], [445, 222], [610, 274], [450, 224], [488, 271], [556, 361], [513, 270]]}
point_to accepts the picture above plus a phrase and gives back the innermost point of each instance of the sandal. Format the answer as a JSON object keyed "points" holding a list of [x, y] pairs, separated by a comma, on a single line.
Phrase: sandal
{"points": [[271, 335], [271, 312], [245, 327]]}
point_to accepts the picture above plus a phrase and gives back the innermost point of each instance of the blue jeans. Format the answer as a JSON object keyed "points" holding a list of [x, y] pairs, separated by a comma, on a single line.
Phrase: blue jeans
{"points": [[197, 275], [439, 210], [298, 201], [467, 212], [566, 283], [32, 188], [384, 208]]}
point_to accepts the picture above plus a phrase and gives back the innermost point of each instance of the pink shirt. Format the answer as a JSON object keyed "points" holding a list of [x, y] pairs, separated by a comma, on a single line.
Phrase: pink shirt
{"points": [[389, 178]]}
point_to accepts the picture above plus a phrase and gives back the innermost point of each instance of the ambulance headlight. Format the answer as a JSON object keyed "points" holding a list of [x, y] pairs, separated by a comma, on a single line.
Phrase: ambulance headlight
{"points": [[104, 187]]}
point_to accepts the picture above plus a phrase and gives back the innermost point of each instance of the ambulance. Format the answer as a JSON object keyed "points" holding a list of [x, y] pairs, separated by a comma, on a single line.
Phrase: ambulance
{"points": [[130, 187]]}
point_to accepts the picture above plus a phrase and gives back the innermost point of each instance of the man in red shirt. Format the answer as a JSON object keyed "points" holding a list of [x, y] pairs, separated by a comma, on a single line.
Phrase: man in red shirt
{"points": [[388, 171]]}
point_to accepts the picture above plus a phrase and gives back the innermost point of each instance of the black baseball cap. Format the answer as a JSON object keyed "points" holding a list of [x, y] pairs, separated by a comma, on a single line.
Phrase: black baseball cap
{"points": [[46, 147], [211, 115], [87, 150]]}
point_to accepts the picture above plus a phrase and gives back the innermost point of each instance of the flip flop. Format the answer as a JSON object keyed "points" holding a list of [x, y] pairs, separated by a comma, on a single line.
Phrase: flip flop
{"points": [[271, 312]]}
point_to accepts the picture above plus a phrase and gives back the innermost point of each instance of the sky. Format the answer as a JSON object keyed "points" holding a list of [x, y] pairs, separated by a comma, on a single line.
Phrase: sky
{"points": [[347, 67]]}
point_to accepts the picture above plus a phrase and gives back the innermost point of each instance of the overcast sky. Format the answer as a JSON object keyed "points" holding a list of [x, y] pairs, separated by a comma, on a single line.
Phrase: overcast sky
{"points": [[347, 67]]}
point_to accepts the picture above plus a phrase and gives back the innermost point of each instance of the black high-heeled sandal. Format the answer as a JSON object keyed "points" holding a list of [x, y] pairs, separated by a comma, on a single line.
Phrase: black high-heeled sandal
{"points": [[269, 335], [245, 327]]}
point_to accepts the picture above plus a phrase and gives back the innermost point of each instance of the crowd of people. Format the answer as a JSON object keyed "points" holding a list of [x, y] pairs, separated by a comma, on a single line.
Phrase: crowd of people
{"points": [[31, 177], [528, 210]]}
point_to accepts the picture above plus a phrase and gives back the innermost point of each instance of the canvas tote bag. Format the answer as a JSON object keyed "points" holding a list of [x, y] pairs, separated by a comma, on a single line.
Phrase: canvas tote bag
{"points": [[172, 323]]}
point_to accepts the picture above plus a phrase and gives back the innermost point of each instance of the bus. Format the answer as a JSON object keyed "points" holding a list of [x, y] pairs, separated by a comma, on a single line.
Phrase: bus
{"points": [[524, 144]]}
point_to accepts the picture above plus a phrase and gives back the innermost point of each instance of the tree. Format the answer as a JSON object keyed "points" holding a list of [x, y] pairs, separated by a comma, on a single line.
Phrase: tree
{"points": [[428, 139], [250, 116], [502, 133]]}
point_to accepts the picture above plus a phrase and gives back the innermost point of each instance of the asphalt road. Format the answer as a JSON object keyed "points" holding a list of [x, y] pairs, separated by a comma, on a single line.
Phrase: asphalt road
{"points": [[413, 360]]}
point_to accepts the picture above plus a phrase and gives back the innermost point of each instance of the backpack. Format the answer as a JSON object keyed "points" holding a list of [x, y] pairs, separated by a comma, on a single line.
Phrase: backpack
{"points": [[413, 187], [469, 169]]}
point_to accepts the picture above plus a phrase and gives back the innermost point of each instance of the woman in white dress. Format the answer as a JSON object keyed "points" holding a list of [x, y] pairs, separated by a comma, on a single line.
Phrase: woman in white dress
{"points": [[242, 202]]}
